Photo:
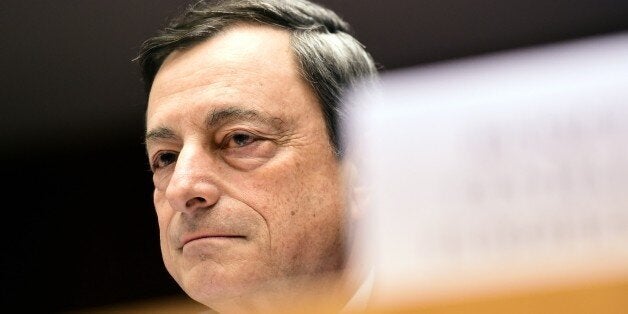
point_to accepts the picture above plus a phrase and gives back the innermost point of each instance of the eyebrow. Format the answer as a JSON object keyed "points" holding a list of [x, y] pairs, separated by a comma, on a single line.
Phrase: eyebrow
{"points": [[221, 116], [215, 118], [159, 133]]}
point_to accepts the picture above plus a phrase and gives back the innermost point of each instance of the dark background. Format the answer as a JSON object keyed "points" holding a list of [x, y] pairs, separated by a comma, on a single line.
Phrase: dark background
{"points": [[78, 227]]}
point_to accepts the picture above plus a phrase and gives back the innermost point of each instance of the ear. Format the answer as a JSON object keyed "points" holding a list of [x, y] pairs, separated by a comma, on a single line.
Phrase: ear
{"points": [[357, 195], [356, 192]]}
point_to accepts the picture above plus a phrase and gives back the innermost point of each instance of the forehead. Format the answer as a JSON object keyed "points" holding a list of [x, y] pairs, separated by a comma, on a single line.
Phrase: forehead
{"points": [[242, 63]]}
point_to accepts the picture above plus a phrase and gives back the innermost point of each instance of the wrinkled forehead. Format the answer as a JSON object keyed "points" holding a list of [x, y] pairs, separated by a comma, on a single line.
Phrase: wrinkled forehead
{"points": [[242, 52]]}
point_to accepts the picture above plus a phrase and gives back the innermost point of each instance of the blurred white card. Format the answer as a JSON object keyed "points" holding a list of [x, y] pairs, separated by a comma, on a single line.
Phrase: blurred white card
{"points": [[498, 173]]}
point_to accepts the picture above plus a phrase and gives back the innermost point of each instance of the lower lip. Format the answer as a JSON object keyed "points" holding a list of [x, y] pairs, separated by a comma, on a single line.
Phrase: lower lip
{"points": [[209, 246], [214, 239]]}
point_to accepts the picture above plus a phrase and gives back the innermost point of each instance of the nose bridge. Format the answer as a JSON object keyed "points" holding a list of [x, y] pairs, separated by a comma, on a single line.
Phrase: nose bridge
{"points": [[190, 165], [192, 184]]}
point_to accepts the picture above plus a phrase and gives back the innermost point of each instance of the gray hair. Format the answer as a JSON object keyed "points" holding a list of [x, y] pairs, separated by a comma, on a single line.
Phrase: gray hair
{"points": [[329, 58]]}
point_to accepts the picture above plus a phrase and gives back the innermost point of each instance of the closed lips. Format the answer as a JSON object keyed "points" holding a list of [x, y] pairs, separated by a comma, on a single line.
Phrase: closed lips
{"points": [[189, 239]]}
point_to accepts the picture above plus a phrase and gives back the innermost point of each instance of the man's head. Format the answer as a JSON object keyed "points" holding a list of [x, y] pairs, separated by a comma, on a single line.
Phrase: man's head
{"points": [[241, 136]]}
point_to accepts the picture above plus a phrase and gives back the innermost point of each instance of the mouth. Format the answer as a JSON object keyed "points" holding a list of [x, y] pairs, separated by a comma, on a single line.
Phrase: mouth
{"points": [[219, 237]]}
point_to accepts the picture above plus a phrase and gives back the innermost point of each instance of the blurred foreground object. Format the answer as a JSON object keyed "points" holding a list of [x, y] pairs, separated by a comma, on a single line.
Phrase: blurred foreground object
{"points": [[500, 183]]}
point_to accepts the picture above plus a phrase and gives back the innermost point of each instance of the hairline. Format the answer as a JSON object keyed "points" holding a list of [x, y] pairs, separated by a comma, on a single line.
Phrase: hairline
{"points": [[329, 59], [298, 62]]}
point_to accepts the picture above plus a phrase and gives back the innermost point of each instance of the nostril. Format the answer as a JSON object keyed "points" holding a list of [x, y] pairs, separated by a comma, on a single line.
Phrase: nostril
{"points": [[195, 202]]}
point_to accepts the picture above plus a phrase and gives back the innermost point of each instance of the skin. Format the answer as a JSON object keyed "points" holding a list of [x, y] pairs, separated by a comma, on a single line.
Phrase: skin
{"points": [[248, 193]]}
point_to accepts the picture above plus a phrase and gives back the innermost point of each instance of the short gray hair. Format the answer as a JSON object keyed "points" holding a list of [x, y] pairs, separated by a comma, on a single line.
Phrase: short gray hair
{"points": [[329, 58]]}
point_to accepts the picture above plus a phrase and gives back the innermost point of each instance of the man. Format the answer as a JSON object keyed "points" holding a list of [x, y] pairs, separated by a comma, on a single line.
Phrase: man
{"points": [[242, 137]]}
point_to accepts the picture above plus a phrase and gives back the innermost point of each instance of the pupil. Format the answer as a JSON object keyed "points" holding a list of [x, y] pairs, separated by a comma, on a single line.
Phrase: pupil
{"points": [[167, 158], [240, 139]]}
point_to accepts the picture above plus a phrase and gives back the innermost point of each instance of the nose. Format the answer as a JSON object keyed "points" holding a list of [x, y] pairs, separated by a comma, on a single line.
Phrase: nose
{"points": [[192, 186]]}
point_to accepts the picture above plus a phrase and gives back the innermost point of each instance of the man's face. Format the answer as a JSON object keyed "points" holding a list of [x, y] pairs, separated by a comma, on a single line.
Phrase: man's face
{"points": [[247, 188]]}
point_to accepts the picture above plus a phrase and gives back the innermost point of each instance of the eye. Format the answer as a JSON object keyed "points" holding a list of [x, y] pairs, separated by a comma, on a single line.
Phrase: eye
{"points": [[164, 159], [239, 139], [246, 150]]}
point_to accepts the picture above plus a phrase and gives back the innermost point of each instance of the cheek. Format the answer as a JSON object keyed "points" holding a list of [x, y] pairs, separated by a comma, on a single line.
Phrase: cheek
{"points": [[303, 210], [161, 179], [164, 214], [296, 196]]}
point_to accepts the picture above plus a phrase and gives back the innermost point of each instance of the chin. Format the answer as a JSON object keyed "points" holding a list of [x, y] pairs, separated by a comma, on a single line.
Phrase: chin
{"points": [[213, 287], [267, 295]]}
